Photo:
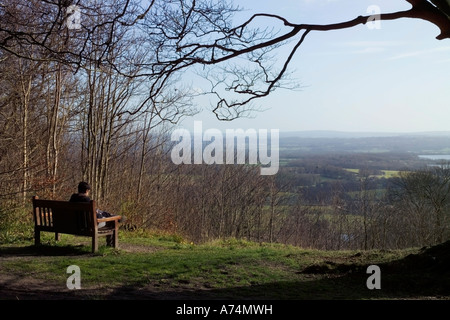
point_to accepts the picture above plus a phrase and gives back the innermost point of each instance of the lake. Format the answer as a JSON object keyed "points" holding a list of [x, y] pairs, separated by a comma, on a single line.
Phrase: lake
{"points": [[436, 156]]}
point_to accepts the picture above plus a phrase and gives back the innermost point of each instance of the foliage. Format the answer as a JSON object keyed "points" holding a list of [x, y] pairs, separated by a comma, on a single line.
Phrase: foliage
{"points": [[15, 225]]}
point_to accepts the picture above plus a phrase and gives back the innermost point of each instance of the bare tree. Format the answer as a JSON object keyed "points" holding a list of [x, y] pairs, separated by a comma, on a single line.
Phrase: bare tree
{"points": [[426, 195], [178, 34]]}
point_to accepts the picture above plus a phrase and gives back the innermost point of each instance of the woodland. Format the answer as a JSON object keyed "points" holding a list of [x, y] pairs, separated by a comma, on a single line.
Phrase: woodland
{"points": [[91, 91]]}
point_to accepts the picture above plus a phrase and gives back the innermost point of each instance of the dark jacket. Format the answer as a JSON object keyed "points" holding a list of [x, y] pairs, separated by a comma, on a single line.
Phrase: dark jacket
{"points": [[76, 197]]}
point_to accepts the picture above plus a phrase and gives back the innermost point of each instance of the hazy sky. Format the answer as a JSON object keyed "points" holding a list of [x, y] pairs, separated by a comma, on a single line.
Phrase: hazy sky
{"points": [[395, 79]]}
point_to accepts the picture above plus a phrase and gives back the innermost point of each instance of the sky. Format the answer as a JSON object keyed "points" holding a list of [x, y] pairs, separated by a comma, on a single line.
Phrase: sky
{"points": [[395, 78]]}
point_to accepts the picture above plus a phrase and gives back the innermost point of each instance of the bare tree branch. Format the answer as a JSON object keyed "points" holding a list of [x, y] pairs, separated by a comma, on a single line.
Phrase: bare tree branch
{"points": [[169, 37]]}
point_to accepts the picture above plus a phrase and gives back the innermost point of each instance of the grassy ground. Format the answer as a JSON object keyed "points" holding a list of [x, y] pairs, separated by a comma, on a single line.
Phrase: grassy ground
{"points": [[160, 266]]}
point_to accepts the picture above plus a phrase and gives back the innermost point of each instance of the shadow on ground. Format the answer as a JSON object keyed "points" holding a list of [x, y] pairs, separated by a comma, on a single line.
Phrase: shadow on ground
{"points": [[43, 250], [425, 275]]}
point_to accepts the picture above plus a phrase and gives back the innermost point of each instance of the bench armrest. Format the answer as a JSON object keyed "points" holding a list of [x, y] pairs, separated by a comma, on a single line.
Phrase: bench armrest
{"points": [[113, 218]]}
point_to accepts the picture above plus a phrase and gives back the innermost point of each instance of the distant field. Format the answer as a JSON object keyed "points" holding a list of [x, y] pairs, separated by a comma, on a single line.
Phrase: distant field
{"points": [[386, 173], [390, 173]]}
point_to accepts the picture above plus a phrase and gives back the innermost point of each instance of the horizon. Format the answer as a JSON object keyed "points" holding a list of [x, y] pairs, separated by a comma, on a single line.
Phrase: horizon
{"points": [[328, 132]]}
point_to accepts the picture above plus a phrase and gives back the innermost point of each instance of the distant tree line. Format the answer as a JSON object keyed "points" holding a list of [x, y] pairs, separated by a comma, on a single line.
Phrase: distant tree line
{"points": [[337, 160]]}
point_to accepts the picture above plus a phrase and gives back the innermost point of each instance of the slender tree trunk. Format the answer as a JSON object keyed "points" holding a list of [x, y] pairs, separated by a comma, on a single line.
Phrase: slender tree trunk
{"points": [[25, 86]]}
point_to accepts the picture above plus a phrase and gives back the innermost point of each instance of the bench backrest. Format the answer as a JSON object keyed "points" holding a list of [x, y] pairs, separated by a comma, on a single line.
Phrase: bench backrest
{"points": [[64, 216]]}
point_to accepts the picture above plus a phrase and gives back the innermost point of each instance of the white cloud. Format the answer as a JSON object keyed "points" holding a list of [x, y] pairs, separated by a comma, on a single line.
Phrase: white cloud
{"points": [[420, 53], [371, 43], [369, 50]]}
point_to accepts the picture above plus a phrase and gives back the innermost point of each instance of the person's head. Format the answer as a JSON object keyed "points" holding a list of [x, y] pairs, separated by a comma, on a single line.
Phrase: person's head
{"points": [[83, 187]]}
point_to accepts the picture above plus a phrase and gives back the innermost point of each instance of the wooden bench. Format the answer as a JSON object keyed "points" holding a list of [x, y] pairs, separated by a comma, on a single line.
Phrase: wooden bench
{"points": [[76, 218]]}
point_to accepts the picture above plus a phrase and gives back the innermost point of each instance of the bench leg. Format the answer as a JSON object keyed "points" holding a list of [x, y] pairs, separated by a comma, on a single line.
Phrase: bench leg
{"points": [[116, 236], [109, 240], [37, 237], [57, 236], [112, 240], [94, 244]]}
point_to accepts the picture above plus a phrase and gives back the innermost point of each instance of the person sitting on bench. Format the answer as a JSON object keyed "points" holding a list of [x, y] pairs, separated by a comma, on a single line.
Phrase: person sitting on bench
{"points": [[83, 196]]}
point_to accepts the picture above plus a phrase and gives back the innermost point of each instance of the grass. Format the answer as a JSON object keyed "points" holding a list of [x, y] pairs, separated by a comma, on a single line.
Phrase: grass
{"points": [[165, 266]]}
